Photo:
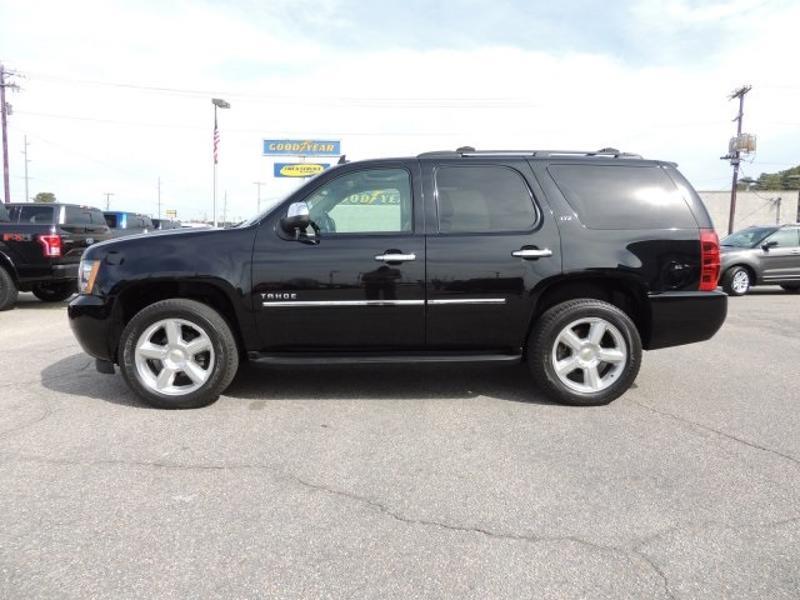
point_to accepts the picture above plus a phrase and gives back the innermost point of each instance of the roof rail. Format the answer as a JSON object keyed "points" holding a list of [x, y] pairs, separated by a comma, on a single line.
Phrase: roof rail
{"points": [[470, 151]]}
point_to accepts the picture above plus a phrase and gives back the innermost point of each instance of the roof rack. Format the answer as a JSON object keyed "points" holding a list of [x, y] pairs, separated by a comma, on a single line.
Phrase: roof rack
{"points": [[470, 151]]}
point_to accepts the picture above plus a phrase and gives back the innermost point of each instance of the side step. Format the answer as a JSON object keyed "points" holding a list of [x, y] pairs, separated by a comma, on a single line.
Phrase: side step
{"points": [[362, 358]]}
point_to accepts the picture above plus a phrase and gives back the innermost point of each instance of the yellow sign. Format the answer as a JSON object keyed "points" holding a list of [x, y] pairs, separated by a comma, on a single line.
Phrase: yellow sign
{"points": [[299, 169], [171, 213]]}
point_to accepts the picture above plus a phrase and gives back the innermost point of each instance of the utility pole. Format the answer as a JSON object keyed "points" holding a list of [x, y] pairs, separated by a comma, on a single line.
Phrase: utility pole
{"points": [[258, 206], [25, 152], [108, 200], [159, 197], [734, 153], [4, 111]]}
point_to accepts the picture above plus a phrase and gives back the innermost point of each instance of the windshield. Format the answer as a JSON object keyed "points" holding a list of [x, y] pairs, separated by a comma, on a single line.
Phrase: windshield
{"points": [[747, 238]]}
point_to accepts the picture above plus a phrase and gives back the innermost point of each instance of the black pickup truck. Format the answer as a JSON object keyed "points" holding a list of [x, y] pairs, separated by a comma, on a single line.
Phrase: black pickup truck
{"points": [[573, 262], [41, 247]]}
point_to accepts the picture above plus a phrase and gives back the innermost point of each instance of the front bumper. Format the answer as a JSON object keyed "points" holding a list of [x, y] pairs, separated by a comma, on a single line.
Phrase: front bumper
{"points": [[90, 318], [678, 318]]}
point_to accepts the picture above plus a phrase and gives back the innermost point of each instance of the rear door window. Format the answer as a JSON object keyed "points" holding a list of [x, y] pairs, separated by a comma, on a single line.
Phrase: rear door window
{"points": [[483, 199], [111, 221], [32, 214], [77, 216], [622, 196]]}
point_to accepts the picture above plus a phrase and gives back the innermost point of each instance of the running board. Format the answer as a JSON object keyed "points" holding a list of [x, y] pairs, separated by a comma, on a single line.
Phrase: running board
{"points": [[352, 358]]}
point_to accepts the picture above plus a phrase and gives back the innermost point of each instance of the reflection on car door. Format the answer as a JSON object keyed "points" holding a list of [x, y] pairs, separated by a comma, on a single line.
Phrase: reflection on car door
{"points": [[781, 262], [363, 285]]}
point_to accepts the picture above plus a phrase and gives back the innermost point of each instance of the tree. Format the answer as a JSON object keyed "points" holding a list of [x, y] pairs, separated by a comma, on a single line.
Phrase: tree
{"points": [[782, 180], [45, 197]]}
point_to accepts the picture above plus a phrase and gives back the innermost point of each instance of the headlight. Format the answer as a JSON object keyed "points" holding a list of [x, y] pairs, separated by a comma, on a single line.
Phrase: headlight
{"points": [[87, 273]]}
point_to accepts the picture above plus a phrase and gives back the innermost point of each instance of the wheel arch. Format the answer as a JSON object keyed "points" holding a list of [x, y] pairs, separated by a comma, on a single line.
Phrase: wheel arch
{"points": [[138, 295], [626, 293]]}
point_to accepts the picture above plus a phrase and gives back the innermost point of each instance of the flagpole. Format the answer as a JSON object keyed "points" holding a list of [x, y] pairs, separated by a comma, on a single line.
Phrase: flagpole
{"points": [[214, 196], [218, 103]]}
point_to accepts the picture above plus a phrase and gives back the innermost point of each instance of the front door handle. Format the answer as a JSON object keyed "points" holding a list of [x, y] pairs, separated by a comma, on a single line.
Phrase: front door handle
{"points": [[396, 257], [532, 253]]}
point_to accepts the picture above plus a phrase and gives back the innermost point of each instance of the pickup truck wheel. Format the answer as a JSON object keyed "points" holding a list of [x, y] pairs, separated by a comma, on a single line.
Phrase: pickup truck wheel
{"points": [[178, 353], [736, 281], [584, 352], [54, 292], [8, 290]]}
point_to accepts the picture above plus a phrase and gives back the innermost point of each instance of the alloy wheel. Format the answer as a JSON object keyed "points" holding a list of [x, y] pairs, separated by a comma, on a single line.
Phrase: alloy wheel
{"points": [[589, 355], [174, 357]]}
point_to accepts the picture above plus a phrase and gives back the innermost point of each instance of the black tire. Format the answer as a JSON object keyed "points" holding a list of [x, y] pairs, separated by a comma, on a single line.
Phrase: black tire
{"points": [[728, 284], [791, 287], [543, 338], [55, 292], [212, 323], [8, 290]]}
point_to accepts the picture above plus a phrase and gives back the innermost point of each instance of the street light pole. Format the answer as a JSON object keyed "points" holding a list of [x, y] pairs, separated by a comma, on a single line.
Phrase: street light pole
{"points": [[218, 103]]}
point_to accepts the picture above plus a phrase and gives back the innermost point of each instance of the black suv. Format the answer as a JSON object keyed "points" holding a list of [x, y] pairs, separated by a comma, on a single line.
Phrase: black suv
{"points": [[570, 261], [41, 246]]}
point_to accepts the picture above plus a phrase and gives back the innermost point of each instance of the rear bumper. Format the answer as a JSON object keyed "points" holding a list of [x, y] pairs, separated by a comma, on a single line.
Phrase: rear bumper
{"points": [[69, 271], [92, 324], [678, 318]]}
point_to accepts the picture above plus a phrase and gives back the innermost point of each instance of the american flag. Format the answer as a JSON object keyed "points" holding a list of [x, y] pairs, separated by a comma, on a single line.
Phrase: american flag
{"points": [[216, 140]]}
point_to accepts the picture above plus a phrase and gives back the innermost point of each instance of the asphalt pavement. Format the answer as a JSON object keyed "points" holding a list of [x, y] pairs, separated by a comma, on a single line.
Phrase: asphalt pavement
{"points": [[434, 482]]}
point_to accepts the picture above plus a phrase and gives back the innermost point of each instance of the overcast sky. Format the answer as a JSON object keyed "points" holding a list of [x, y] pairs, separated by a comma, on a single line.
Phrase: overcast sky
{"points": [[117, 94]]}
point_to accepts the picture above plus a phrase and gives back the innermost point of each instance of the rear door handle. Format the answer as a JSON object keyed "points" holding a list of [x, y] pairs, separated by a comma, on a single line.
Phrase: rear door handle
{"points": [[396, 257], [532, 253]]}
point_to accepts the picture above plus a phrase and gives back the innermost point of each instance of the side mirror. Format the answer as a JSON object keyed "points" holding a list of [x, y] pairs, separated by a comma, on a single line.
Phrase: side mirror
{"points": [[765, 247], [297, 218]]}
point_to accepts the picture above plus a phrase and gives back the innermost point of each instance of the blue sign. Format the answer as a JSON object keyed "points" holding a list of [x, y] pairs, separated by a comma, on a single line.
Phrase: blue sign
{"points": [[302, 147], [299, 169]]}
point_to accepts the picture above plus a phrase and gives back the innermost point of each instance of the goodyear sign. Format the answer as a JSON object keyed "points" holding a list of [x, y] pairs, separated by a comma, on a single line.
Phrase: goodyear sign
{"points": [[303, 147], [374, 198], [299, 169]]}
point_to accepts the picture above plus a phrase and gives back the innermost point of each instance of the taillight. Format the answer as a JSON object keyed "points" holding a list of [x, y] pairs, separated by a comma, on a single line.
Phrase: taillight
{"points": [[709, 260], [51, 245]]}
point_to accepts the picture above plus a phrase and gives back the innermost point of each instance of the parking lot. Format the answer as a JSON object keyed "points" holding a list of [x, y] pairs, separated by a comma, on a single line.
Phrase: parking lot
{"points": [[405, 482]]}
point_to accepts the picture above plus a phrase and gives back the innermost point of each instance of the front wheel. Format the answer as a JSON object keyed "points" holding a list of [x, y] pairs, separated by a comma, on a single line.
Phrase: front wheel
{"points": [[178, 353], [54, 292], [584, 352], [736, 281]]}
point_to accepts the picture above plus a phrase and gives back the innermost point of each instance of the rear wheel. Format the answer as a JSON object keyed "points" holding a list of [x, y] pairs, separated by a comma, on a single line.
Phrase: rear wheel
{"points": [[736, 281], [54, 292], [584, 352], [8, 290], [178, 354], [791, 287]]}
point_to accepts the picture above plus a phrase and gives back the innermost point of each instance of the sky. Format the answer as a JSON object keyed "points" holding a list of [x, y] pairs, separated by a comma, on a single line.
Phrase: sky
{"points": [[117, 95]]}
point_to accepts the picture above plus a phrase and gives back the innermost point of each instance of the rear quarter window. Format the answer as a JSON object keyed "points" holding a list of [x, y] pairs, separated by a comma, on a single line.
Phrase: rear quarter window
{"points": [[623, 197]]}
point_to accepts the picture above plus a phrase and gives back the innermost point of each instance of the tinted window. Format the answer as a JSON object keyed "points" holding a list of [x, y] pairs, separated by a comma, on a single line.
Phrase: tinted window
{"points": [[77, 216], [622, 197], [4, 216], [784, 238], [111, 220], [97, 217], [31, 213], [371, 201], [482, 199]]}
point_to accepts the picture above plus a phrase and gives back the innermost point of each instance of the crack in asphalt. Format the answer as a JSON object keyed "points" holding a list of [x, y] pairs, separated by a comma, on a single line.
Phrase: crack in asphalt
{"points": [[382, 508], [633, 553], [718, 432]]}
